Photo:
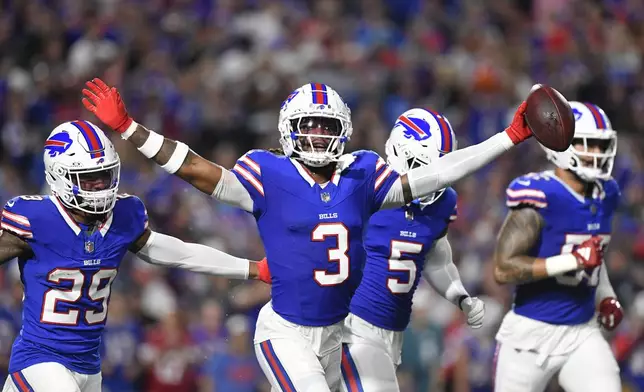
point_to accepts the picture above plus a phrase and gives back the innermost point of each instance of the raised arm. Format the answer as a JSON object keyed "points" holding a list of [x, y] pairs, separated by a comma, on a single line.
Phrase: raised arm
{"points": [[11, 247], [518, 237], [173, 156], [425, 180], [160, 249]]}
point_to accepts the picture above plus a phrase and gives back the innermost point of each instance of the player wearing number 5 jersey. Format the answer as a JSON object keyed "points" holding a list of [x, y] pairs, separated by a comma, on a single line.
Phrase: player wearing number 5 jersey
{"points": [[311, 204], [551, 246], [401, 245], [69, 247]]}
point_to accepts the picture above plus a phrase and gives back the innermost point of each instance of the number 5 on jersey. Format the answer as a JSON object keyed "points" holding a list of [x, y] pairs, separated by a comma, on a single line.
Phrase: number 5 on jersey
{"points": [[397, 263], [97, 290]]}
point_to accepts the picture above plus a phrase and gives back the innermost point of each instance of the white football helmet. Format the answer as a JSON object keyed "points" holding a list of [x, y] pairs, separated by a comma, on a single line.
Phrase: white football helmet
{"points": [[592, 129], [82, 167], [418, 138], [314, 125]]}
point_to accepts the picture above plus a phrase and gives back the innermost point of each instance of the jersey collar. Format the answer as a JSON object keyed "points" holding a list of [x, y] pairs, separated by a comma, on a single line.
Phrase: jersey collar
{"points": [[343, 163], [103, 228], [598, 189]]}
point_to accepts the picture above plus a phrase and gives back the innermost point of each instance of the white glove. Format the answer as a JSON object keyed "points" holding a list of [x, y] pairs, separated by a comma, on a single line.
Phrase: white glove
{"points": [[474, 309]]}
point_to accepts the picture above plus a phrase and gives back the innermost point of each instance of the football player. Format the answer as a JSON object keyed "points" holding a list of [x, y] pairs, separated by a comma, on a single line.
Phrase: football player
{"points": [[311, 204], [401, 244], [551, 246], [69, 247]]}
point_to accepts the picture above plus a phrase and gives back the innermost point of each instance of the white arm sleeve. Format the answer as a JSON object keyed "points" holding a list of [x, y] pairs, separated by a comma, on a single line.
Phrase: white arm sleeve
{"points": [[604, 288], [169, 251], [441, 273], [449, 168], [230, 191]]}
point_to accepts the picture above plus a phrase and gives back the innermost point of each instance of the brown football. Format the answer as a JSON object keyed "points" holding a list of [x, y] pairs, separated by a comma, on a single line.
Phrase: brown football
{"points": [[549, 117]]}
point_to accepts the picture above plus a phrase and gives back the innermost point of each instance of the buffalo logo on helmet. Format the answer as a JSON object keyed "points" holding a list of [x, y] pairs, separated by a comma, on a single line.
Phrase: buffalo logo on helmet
{"points": [[577, 113], [58, 144], [414, 128], [290, 98]]}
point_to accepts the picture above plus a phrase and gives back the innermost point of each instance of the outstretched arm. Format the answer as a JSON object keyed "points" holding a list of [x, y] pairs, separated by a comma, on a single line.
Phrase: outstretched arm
{"points": [[160, 249], [173, 156], [12, 247], [425, 180], [190, 166]]}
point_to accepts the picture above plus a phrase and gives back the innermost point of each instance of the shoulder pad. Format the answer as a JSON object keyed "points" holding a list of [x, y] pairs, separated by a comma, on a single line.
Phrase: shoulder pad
{"points": [[16, 213], [131, 206], [370, 159], [445, 206], [366, 155], [255, 160], [528, 191], [612, 193], [448, 203]]}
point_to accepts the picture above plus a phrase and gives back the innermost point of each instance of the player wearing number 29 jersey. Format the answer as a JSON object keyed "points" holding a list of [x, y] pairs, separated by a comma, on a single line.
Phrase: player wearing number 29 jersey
{"points": [[69, 247], [546, 247], [401, 244], [311, 203]]}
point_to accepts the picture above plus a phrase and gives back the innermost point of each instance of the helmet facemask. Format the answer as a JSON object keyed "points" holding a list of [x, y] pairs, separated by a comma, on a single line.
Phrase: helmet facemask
{"points": [[593, 157], [318, 140], [93, 191], [314, 125]]}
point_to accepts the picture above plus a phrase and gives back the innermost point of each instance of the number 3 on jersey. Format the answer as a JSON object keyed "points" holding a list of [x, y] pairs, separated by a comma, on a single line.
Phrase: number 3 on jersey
{"points": [[337, 254], [574, 278], [103, 278]]}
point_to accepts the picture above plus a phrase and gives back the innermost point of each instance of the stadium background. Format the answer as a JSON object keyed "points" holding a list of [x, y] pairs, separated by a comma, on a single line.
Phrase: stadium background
{"points": [[213, 73]]}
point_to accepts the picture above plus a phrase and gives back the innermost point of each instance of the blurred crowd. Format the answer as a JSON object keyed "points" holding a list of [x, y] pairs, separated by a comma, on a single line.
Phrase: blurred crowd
{"points": [[213, 73]]}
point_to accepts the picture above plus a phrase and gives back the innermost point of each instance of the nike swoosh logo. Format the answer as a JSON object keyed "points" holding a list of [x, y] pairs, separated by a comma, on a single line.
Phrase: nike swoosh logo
{"points": [[523, 182], [10, 203]]}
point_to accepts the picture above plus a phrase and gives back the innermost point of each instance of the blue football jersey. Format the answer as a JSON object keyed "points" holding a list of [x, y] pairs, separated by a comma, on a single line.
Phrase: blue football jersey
{"points": [[570, 219], [312, 234], [67, 278], [396, 243]]}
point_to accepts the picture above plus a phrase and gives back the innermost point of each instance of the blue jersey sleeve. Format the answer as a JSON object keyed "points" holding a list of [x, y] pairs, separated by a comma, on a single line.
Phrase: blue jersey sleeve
{"points": [[381, 179], [248, 171], [15, 216], [526, 191]]}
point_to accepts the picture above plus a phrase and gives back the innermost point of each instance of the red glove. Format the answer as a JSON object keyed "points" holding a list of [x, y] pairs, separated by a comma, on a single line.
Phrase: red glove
{"points": [[589, 254], [610, 313], [518, 129], [263, 273], [106, 103]]}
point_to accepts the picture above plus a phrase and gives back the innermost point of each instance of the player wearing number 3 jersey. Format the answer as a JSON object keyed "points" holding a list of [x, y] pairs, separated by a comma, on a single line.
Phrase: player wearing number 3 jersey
{"points": [[311, 204], [69, 247], [551, 246]]}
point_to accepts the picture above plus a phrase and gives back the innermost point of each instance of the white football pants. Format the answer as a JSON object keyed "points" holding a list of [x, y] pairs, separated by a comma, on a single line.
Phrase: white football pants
{"points": [[51, 377], [370, 356], [298, 358], [591, 367]]}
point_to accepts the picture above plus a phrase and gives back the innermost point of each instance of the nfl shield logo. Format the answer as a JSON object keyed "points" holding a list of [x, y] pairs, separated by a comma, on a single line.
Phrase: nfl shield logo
{"points": [[89, 246], [325, 196]]}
